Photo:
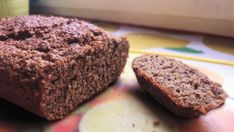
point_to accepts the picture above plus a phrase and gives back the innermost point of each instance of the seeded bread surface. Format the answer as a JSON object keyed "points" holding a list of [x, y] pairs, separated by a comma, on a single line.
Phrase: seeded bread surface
{"points": [[49, 65], [181, 89]]}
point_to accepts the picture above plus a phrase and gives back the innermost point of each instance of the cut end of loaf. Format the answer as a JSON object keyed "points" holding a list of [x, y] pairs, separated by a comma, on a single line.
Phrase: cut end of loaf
{"points": [[180, 88]]}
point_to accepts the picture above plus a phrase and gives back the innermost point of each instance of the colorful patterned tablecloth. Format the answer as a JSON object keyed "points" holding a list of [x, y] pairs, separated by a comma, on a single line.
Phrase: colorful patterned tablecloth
{"points": [[174, 42], [125, 107]]}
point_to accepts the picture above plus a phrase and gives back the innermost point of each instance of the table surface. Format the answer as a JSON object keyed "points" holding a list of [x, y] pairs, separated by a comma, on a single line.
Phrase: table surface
{"points": [[125, 107]]}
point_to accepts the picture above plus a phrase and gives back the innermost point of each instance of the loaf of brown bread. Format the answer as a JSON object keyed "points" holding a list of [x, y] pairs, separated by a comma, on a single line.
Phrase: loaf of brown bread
{"points": [[181, 89], [49, 65]]}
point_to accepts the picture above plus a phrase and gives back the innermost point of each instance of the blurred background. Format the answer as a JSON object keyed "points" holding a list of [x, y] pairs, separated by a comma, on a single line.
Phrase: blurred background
{"points": [[212, 17]]}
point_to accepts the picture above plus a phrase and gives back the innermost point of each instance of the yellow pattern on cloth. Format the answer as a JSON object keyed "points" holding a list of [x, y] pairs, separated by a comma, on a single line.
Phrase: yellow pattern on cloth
{"points": [[124, 115], [225, 45], [146, 41]]}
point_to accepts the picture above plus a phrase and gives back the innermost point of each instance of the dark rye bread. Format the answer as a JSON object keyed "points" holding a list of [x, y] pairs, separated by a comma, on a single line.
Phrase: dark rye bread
{"points": [[181, 89], [49, 65]]}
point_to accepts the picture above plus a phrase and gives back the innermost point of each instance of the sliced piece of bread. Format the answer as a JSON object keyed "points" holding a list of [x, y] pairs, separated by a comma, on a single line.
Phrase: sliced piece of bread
{"points": [[181, 89]]}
